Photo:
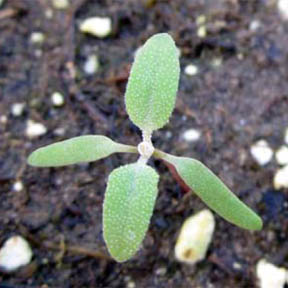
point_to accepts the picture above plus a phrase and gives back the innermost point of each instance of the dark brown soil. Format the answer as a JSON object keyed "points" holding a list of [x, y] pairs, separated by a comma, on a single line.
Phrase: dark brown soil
{"points": [[233, 105]]}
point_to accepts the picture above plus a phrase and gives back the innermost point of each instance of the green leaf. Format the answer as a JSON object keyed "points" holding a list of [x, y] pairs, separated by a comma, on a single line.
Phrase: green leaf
{"points": [[153, 83], [128, 206], [76, 150], [214, 192]]}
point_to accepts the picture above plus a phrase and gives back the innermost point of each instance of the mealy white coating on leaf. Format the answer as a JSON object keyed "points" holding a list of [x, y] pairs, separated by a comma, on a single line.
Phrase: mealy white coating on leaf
{"points": [[153, 83], [214, 192], [129, 202], [75, 150]]}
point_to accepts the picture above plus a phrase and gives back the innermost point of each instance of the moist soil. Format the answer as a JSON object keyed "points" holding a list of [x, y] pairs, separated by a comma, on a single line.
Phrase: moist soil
{"points": [[240, 95]]}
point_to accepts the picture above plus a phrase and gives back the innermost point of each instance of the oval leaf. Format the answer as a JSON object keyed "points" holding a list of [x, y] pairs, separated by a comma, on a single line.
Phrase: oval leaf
{"points": [[214, 192], [153, 83], [128, 206], [76, 150]]}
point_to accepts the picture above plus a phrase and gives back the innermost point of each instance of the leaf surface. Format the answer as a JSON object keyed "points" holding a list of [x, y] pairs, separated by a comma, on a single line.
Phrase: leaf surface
{"points": [[129, 202], [214, 192], [153, 83], [76, 150]]}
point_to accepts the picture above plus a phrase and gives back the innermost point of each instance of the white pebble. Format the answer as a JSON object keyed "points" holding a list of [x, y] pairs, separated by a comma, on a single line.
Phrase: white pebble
{"points": [[18, 186], [168, 134], [60, 4], [195, 236], [3, 119], [131, 284], [16, 252], [17, 109], [161, 271], [91, 65], [286, 136], [49, 13], [281, 178], [200, 20], [34, 129], [97, 26], [283, 8], [57, 99], [261, 152], [191, 135], [37, 37], [269, 275], [60, 131], [202, 32], [191, 70], [282, 155], [254, 25], [216, 62]]}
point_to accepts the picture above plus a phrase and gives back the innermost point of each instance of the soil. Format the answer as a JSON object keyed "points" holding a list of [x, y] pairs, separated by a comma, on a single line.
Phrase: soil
{"points": [[238, 97]]}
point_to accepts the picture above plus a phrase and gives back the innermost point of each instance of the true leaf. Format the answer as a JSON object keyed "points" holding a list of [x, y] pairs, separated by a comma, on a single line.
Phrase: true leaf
{"points": [[214, 192], [76, 150], [153, 83], [128, 206]]}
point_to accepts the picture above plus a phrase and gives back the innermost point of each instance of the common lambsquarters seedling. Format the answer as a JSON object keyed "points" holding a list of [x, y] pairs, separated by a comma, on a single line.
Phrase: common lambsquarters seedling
{"points": [[132, 189]]}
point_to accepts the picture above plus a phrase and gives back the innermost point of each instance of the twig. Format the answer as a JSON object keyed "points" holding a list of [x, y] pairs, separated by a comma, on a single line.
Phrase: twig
{"points": [[73, 249]]}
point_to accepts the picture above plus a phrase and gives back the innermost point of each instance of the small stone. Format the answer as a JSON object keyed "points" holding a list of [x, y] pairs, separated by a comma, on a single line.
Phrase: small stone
{"points": [[191, 135], [91, 65], [195, 236], [60, 131], [17, 109], [191, 70], [240, 56], [18, 186], [161, 271], [283, 8], [57, 99], [237, 266], [269, 275], [97, 26], [49, 13], [254, 25], [281, 178], [3, 119], [168, 134], [202, 32], [60, 4], [35, 129], [216, 62], [131, 284], [200, 20], [286, 136], [261, 152], [38, 53], [282, 155], [37, 37], [15, 252]]}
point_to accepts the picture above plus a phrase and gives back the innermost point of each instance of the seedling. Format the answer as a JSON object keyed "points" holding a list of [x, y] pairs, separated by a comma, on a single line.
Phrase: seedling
{"points": [[132, 189]]}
